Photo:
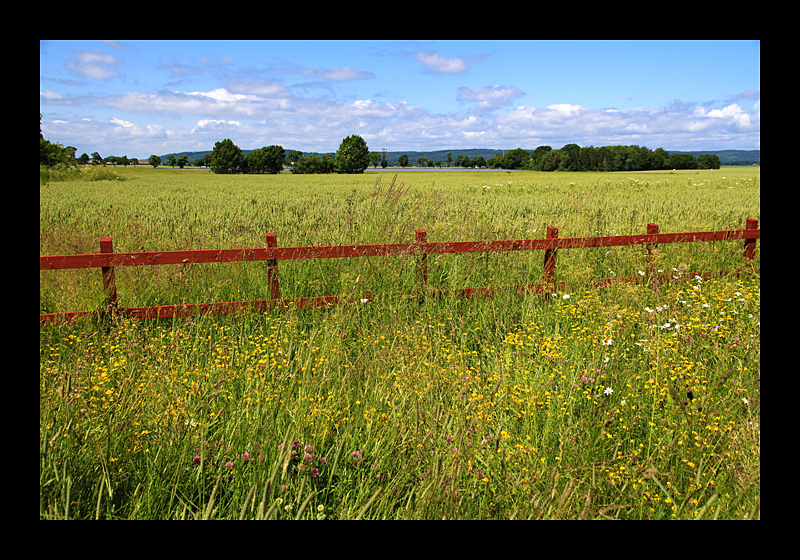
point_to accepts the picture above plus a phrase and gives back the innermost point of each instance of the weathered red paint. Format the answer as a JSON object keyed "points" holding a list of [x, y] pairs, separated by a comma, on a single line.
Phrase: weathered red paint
{"points": [[106, 260]]}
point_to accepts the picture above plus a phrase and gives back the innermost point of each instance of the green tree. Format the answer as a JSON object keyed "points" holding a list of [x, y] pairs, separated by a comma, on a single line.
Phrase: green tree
{"points": [[292, 157], [660, 158], [403, 160], [352, 155], [96, 159], [549, 161], [51, 154], [535, 162], [681, 161], [374, 159], [154, 160], [172, 161], [183, 161], [708, 161], [265, 160], [516, 159], [569, 157], [226, 157], [449, 159], [496, 162], [313, 163]]}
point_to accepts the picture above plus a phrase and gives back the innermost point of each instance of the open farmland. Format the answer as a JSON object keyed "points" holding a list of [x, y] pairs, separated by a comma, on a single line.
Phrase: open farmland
{"points": [[631, 402]]}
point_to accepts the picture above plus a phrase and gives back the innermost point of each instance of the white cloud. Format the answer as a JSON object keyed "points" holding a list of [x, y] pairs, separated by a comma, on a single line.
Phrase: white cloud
{"points": [[489, 98], [260, 113], [438, 64], [214, 104], [208, 122], [678, 126], [260, 88], [120, 122], [338, 74], [732, 113], [92, 64]]}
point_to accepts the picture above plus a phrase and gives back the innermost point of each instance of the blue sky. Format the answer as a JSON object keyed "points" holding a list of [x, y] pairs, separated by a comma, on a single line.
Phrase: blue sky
{"points": [[138, 98]]}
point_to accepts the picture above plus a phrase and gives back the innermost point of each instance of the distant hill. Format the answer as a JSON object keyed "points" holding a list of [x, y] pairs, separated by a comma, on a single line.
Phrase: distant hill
{"points": [[726, 157], [730, 157]]}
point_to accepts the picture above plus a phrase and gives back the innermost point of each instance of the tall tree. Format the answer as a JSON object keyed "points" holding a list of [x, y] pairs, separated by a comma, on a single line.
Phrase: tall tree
{"points": [[536, 157], [352, 155], [268, 159], [226, 158], [708, 161], [516, 159], [374, 159]]}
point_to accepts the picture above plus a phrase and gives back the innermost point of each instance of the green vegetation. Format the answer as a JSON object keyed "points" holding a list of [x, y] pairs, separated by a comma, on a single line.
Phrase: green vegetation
{"points": [[632, 402]]}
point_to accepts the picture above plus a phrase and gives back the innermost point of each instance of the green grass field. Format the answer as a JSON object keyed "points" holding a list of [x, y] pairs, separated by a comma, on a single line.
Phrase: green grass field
{"points": [[631, 402]]}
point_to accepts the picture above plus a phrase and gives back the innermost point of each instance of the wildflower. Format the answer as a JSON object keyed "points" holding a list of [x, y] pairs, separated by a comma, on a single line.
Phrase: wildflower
{"points": [[196, 460], [565, 296], [608, 391], [229, 465]]}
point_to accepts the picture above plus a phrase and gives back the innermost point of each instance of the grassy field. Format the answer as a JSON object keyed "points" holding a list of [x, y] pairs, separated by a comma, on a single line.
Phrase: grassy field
{"points": [[629, 403]]}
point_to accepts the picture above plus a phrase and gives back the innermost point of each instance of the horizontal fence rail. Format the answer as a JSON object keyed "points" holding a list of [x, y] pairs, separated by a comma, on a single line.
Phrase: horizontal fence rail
{"points": [[107, 259]]}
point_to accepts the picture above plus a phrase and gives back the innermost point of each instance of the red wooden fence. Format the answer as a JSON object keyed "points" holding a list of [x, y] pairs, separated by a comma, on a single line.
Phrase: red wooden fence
{"points": [[107, 259]]}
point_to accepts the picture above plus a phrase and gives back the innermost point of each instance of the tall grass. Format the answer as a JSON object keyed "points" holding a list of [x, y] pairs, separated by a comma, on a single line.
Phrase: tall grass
{"points": [[629, 403]]}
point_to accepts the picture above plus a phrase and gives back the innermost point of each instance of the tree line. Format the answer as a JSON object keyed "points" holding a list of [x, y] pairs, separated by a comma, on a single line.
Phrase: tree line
{"points": [[353, 156]]}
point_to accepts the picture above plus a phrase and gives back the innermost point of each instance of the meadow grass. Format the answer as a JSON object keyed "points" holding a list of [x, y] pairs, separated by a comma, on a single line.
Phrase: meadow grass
{"points": [[629, 403]]}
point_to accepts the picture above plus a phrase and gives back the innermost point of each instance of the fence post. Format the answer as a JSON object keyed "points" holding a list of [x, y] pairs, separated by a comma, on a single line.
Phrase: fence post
{"points": [[422, 266], [750, 244], [272, 269], [548, 276], [109, 283]]}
